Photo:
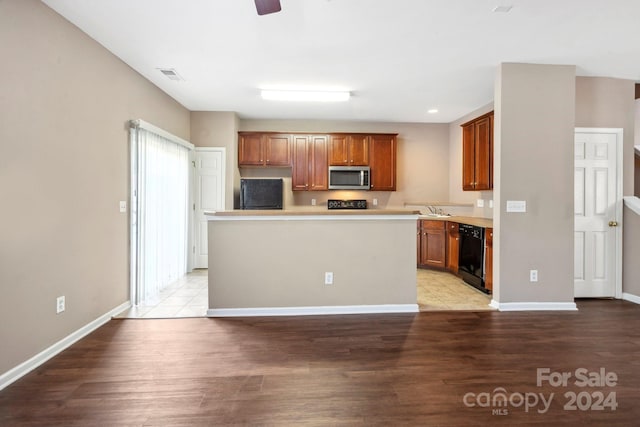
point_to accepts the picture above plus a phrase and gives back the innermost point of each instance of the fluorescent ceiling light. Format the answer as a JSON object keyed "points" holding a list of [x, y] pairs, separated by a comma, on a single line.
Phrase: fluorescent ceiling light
{"points": [[305, 95], [432, 111]]}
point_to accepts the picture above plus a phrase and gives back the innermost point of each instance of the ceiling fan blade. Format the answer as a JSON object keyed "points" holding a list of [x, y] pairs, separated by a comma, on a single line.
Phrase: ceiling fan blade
{"points": [[265, 7]]}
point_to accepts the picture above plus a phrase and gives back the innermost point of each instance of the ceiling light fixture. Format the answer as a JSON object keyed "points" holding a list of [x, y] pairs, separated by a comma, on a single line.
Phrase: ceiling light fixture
{"points": [[305, 95], [432, 111]]}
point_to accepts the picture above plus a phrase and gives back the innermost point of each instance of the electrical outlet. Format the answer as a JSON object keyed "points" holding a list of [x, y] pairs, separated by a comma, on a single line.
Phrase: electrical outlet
{"points": [[480, 203], [533, 275], [313, 202], [375, 202], [328, 278], [60, 305]]}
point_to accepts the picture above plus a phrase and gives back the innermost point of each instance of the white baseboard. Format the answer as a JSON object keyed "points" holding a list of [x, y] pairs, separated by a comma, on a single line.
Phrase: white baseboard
{"points": [[310, 311], [534, 306], [24, 368], [631, 297]]}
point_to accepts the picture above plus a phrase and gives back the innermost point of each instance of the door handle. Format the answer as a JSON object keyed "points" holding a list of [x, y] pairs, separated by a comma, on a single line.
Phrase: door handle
{"points": [[613, 223]]}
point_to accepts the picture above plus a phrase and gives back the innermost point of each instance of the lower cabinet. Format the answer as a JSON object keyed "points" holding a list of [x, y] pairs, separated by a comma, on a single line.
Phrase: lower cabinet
{"points": [[453, 240], [438, 244], [432, 243], [488, 259]]}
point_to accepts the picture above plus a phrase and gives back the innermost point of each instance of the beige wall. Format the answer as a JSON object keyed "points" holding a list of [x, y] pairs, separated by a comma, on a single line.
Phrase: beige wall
{"points": [[636, 190], [534, 121], [609, 103], [64, 105], [456, 194], [422, 162], [283, 264], [631, 252], [219, 129]]}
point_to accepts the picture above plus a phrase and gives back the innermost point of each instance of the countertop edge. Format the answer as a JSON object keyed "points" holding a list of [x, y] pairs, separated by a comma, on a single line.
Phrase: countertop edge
{"points": [[335, 212], [312, 214], [471, 220]]}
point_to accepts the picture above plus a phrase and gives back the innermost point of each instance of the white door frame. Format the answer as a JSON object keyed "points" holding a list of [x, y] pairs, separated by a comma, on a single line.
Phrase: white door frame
{"points": [[618, 204]]}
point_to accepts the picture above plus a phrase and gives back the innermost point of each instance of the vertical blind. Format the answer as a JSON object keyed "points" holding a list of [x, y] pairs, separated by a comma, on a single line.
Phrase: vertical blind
{"points": [[161, 212]]}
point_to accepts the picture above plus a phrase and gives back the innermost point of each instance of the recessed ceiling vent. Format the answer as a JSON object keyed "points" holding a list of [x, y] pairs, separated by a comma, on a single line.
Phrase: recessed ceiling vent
{"points": [[502, 9], [171, 73]]}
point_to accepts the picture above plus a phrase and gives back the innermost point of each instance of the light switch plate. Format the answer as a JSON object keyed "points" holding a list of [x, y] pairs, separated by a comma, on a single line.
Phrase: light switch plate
{"points": [[328, 278], [480, 203], [516, 206], [491, 203], [123, 206]]}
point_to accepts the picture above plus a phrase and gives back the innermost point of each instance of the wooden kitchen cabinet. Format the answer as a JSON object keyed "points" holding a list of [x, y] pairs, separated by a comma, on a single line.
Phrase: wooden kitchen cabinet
{"points": [[250, 149], [383, 162], [453, 246], [310, 162], [310, 155], [432, 244], [477, 153], [419, 244], [488, 259], [349, 150], [264, 149]]}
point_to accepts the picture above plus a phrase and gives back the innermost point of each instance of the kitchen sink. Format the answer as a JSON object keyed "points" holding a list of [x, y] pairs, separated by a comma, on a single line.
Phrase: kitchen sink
{"points": [[434, 215]]}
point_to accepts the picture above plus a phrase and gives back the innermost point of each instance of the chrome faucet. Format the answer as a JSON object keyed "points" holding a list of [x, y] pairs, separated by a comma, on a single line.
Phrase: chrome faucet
{"points": [[435, 211]]}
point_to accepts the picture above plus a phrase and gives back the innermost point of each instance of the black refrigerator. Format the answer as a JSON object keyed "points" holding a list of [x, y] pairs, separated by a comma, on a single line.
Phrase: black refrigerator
{"points": [[261, 193]]}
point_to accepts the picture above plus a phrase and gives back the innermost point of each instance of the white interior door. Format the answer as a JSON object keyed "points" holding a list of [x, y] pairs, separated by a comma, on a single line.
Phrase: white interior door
{"points": [[596, 210], [209, 197]]}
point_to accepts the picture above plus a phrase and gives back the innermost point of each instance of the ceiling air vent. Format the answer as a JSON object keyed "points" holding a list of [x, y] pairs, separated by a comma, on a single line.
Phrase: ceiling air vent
{"points": [[171, 73]]}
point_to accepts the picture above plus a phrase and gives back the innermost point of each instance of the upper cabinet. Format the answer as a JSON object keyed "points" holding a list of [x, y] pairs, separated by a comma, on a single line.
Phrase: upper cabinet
{"points": [[477, 153], [349, 150], [310, 171], [310, 155], [264, 149], [383, 162]]}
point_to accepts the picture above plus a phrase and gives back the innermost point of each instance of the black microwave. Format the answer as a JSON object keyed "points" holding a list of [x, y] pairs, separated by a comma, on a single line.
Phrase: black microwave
{"points": [[349, 177]]}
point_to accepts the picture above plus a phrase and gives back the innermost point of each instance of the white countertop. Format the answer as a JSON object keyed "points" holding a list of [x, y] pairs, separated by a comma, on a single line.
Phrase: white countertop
{"points": [[314, 214]]}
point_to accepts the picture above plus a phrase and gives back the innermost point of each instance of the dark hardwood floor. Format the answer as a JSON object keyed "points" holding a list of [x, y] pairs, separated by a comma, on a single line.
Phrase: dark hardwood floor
{"points": [[422, 369]]}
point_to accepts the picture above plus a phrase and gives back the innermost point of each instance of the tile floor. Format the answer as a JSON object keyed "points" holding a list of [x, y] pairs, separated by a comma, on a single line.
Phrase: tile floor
{"points": [[188, 296], [439, 290]]}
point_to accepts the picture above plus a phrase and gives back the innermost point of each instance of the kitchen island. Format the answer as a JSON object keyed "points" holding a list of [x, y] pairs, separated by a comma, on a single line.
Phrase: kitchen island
{"points": [[278, 262]]}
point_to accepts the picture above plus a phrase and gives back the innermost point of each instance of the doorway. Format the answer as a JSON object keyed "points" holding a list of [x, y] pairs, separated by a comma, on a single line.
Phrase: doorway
{"points": [[209, 196], [598, 213]]}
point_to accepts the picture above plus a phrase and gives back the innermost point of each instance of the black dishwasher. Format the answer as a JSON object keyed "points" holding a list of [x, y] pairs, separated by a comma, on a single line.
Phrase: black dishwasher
{"points": [[471, 256]]}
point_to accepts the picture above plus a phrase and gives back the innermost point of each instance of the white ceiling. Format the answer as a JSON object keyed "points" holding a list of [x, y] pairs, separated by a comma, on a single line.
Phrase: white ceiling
{"points": [[399, 58]]}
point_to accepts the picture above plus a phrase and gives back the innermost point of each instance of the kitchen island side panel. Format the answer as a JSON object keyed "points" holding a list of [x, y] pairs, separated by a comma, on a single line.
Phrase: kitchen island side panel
{"points": [[282, 263]]}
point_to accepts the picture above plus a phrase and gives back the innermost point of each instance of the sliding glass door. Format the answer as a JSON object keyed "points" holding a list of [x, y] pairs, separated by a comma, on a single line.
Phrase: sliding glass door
{"points": [[160, 210]]}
